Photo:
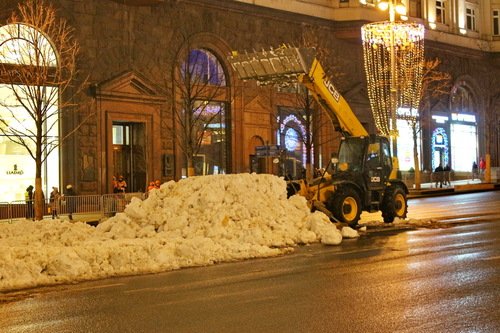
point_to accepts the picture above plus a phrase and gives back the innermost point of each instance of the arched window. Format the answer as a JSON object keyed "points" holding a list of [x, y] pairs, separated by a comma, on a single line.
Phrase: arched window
{"points": [[205, 68], [204, 126], [462, 99], [23, 93], [21, 45]]}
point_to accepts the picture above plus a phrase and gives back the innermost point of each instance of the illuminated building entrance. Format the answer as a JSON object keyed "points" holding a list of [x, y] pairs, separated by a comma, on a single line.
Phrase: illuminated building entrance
{"points": [[454, 141], [129, 105]]}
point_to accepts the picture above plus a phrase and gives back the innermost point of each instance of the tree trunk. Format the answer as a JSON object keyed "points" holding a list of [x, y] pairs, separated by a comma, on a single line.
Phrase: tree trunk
{"points": [[309, 166], [39, 202], [416, 161], [309, 172], [487, 172], [190, 168]]}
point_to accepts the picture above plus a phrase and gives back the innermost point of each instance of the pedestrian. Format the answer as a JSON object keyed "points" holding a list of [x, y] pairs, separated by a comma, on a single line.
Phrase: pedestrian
{"points": [[474, 170], [28, 198], [151, 186], [482, 165], [70, 199], [447, 175], [439, 175], [121, 185], [114, 183], [54, 200]]}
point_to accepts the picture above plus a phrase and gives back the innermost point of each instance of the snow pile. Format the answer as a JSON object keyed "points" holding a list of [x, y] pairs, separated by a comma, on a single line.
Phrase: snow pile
{"points": [[410, 222], [196, 221]]}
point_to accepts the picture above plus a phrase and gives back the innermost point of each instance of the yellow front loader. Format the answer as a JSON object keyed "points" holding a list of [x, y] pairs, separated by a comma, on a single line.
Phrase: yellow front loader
{"points": [[364, 173]]}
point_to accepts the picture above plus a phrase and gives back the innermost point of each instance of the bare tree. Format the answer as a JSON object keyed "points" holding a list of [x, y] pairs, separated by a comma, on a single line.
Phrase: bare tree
{"points": [[312, 119], [435, 85], [310, 113], [199, 89], [38, 65]]}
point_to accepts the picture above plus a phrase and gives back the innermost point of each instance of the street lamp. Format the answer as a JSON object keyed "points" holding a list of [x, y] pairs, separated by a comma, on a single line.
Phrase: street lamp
{"points": [[393, 58]]}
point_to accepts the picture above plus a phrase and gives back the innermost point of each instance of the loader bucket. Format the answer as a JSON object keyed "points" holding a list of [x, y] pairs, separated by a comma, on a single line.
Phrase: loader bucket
{"points": [[281, 65]]}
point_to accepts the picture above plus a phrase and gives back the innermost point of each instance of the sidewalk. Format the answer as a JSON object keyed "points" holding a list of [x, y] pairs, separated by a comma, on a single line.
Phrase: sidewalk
{"points": [[426, 190], [455, 187], [89, 218]]}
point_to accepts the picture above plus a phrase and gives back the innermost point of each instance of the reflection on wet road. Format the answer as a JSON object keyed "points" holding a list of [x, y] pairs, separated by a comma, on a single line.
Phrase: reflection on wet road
{"points": [[427, 280]]}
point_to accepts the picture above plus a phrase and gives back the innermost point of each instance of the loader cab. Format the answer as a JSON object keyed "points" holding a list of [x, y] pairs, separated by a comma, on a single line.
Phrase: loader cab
{"points": [[366, 160], [378, 162]]}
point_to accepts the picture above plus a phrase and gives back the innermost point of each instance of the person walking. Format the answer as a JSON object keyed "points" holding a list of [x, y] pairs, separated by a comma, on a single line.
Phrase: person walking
{"points": [[482, 165], [121, 185], [151, 186], [28, 198], [439, 175], [69, 198], [447, 175], [54, 200], [114, 184], [474, 170]]}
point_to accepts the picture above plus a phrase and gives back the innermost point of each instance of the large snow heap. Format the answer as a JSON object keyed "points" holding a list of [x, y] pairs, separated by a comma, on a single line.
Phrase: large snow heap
{"points": [[196, 221]]}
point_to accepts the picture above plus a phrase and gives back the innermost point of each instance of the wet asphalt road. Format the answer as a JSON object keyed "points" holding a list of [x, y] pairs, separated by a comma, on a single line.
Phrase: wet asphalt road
{"points": [[426, 280]]}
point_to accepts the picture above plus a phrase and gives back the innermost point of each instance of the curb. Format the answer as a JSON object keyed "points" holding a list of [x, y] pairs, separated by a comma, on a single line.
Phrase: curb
{"points": [[456, 189]]}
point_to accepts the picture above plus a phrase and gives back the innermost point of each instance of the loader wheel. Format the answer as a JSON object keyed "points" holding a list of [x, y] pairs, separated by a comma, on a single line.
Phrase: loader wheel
{"points": [[346, 206], [395, 204]]}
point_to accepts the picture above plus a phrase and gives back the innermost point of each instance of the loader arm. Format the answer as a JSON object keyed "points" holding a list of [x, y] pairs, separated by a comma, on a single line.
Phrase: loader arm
{"points": [[290, 64]]}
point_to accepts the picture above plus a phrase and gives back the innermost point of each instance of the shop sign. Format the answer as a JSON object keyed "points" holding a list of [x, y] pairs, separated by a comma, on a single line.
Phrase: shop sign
{"points": [[262, 151], [15, 171]]}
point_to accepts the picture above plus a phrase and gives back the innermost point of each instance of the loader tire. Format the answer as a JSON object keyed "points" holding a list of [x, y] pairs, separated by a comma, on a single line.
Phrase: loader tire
{"points": [[395, 204], [346, 206]]}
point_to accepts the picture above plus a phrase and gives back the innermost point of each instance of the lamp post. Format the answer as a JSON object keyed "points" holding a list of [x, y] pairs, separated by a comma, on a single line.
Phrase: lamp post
{"points": [[393, 52], [393, 88], [393, 7]]}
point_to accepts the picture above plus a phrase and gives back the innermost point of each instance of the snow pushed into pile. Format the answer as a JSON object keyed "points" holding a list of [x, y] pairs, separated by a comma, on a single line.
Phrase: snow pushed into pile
{"points": [[196, 221]]}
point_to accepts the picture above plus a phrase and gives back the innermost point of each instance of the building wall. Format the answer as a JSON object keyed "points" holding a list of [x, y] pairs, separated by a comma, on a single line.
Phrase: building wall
{"points": [[128, 54]]}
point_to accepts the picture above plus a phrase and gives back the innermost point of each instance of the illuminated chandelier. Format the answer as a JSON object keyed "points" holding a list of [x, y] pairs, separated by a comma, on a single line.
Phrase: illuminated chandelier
{"points": [[393, 59]]}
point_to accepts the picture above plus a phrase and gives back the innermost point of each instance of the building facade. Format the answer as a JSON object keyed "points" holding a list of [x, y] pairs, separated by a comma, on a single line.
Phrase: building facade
{"points": [[131, 59]]}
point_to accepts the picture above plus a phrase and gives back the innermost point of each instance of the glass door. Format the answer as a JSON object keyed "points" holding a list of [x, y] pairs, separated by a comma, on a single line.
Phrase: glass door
{"points": [[129, 157]]}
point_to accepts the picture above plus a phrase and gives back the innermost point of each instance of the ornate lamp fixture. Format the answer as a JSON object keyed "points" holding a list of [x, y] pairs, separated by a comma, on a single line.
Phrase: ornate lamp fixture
{"points": [[393, 59]]}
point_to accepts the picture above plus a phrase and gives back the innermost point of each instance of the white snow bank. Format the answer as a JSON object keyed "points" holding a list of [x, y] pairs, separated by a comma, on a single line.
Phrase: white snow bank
{"points": [[196, 221]]}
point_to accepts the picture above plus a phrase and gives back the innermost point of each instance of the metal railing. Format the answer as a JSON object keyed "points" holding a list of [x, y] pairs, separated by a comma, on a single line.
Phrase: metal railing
{"points": [[104, 205]]}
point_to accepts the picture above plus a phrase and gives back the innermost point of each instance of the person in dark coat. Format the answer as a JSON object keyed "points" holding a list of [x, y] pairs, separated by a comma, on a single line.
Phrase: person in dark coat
{"points": [[69, 197], [28, 198], [55, 198], [447, 175], [439, 175], [475, 171]]}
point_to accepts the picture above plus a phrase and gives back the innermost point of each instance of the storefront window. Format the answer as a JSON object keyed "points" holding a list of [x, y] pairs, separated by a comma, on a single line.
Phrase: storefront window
{"points": [[463, 128], [463, 146], [22, 46], [405, 145]]}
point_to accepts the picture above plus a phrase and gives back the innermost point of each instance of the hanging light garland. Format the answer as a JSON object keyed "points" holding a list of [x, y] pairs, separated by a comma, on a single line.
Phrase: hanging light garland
{"points": [[393, 60]]}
